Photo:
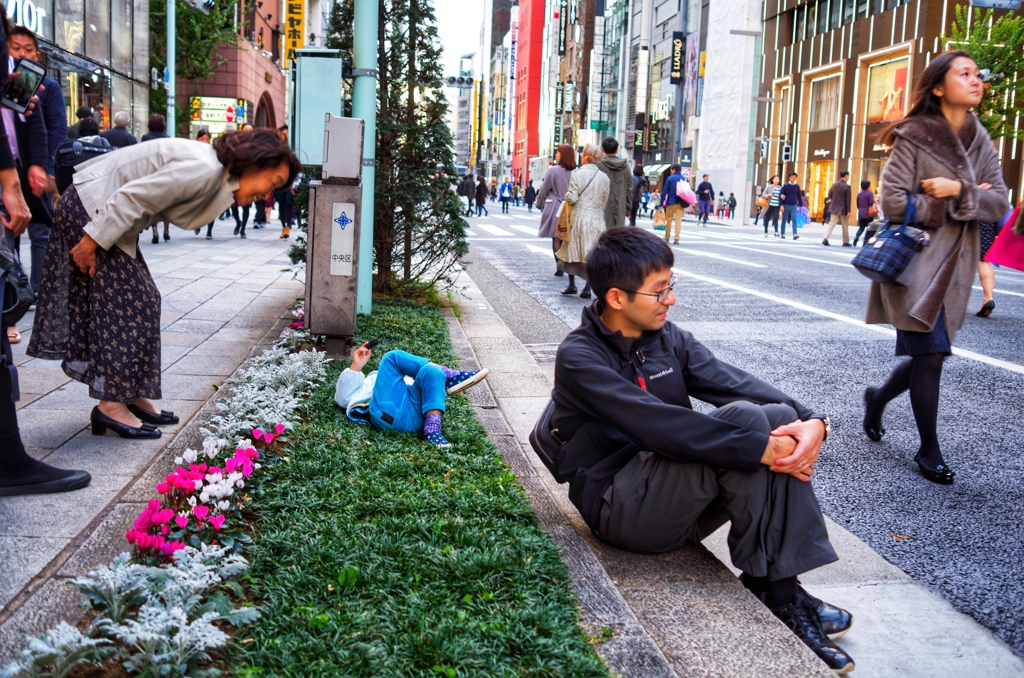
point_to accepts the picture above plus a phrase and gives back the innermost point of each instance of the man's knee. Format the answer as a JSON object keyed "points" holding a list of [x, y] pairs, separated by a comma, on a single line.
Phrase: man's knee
{"points": [[760, 418]]}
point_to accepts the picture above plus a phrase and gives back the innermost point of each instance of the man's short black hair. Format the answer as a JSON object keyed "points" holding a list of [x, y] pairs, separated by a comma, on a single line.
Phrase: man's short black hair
{"points": [[676, 168], [25, 33], [706, 176], [865, 184], [791, 175], [610, 146], [844, 174], [623, 257]]}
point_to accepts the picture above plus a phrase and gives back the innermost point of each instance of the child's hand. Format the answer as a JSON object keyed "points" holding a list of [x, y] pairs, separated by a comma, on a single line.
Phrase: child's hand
{"points": [[360, 356]]}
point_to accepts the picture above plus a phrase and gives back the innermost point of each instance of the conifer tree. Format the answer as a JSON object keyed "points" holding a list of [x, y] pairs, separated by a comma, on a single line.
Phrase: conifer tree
{"points": [[419, 235]]}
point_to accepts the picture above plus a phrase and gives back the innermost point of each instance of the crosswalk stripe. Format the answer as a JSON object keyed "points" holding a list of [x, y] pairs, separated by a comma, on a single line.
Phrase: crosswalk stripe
{"points": [[718, 256], [791, 256], [546, 251], [524, 229], [502, 216], [494, 230]]}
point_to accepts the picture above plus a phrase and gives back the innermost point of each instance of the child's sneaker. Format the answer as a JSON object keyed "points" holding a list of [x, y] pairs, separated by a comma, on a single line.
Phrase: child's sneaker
{"points": [[460, 381], [437, 440]]}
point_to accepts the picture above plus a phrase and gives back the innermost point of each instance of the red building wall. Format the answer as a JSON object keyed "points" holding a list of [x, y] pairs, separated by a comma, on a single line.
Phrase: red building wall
{"points": [[530, 44]]}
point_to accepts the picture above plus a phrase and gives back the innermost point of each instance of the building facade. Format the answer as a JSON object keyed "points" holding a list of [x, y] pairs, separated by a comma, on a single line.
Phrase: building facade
{"points": [[529, 44], [98, 51], [836, 72]]}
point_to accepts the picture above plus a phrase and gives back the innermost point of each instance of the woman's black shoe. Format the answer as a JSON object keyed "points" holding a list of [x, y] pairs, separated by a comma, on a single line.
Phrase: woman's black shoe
{"points": [[987, 309], [559, 273], [941, 474], [569, 290], [585, 294], [101, 422], [167, 236], [875, 432], [156, 240], [165, 418]]}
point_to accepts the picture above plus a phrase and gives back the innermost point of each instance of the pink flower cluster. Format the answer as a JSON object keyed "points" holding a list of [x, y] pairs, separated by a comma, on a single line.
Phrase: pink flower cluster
{"points": [[154, 516], [297, 325], [243, 459], [187, 481], [267, 437]]}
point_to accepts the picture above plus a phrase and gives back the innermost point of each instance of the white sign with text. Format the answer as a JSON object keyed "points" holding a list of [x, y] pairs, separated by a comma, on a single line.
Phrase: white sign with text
{"points": [[342, 238]]}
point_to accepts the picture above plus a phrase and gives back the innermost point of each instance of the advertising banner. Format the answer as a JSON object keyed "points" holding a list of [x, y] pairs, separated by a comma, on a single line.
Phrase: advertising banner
{"points": [[295, 19], [692, 71], [887, 90], [678, 54]]}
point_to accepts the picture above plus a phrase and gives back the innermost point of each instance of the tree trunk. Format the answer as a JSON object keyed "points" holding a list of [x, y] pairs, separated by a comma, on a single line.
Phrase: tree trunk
{"points": [[410, 116]]}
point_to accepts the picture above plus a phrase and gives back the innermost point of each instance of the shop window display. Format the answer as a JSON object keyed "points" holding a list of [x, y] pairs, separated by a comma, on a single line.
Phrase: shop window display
{"points": [[97, 31], [887, 90], [824, 104], [69, 25]]}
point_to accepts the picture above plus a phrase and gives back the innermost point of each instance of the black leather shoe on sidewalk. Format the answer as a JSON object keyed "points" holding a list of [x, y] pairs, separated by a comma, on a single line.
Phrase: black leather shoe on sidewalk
{"points": [[835, 621], [101, 422], [164, 418], [804, 622]]}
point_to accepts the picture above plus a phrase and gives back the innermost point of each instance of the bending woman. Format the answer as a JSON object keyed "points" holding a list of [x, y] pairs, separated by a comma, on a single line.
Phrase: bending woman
{"points": [[942, 158], [99, 310]]}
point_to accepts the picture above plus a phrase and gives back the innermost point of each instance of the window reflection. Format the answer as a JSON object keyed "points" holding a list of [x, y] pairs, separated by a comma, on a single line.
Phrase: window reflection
{"points": [[69, 24]]}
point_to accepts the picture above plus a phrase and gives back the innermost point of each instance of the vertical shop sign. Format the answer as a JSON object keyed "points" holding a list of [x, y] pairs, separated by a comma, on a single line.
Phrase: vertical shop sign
{"points": [[295, 18], [678, 53], [563, 25]]}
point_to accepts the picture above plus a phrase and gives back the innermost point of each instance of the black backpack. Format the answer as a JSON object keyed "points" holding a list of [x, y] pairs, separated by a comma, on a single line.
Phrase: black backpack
{"points": [[70, 153], [16, 294]]}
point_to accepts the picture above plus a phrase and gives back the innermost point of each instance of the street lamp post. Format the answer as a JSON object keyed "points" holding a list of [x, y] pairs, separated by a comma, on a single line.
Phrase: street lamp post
{"points": [[364, 105], [172, 78]]}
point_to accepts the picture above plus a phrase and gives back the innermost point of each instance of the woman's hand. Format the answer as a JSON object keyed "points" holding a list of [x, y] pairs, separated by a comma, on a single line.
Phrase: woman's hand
{"points": [[941, 187], [14, 203], [84, 254]]}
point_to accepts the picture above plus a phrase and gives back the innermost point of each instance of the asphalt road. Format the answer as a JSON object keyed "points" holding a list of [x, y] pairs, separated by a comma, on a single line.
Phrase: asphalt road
{"points": [[791, 313]]}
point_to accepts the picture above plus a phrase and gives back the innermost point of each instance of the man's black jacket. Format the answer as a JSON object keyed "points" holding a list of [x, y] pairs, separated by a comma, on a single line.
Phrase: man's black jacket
{"points": [[119, 137], [615, 396], [705, 191]]}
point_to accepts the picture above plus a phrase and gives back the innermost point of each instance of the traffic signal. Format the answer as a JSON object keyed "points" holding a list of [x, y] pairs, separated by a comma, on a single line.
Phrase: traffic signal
{"points": [[463, 81], [764, 149], [787, 152], [203, 6]]}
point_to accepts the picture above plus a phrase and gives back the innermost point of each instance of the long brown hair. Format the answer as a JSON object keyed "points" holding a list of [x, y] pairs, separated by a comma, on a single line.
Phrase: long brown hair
{"points": [[925, 102], [256, 149], [567, 157]]}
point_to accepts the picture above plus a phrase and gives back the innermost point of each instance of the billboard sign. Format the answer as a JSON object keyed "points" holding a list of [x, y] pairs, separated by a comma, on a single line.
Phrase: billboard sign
{"points": [[678, 55]]}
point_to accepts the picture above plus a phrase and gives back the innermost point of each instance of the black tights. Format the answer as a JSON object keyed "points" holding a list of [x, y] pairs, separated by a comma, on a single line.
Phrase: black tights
{"points": [[920, 375], [12, 453]]}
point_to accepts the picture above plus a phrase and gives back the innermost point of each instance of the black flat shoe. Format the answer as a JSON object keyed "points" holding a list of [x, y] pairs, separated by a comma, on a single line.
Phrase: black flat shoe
{"points": [[164, 418], [941, 474], [167, 236], [569, 290], [803, 621], [156, 240], [874, 432], [101, 422], [987, 309], [585, 294], [559, 273]]}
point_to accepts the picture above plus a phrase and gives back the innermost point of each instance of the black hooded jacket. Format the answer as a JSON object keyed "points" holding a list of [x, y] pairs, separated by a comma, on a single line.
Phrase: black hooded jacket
{"points": [[616, 396]]}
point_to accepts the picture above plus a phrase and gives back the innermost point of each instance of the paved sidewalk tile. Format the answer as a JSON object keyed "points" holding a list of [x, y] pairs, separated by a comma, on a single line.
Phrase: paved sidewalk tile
{"points": [[220, 297]]}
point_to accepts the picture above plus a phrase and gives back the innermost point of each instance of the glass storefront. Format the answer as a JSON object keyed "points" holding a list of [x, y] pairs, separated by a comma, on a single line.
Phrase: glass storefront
{"points": [[97, 50]]}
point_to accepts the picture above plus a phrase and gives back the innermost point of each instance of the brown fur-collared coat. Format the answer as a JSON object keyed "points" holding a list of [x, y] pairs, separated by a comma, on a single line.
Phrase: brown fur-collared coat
{"points": [[925, 148]]}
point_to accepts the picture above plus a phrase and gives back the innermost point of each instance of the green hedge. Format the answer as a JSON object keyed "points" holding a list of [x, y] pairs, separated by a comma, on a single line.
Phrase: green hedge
{"points": [[379, 555]]}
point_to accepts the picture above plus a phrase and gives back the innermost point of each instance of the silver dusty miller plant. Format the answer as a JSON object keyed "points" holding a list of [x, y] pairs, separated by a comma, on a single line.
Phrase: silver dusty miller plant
{"points": [[56, 653]]}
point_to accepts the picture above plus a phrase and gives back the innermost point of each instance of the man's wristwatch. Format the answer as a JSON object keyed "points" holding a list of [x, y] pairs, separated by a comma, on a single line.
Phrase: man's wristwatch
{"points": [[827, 422]]}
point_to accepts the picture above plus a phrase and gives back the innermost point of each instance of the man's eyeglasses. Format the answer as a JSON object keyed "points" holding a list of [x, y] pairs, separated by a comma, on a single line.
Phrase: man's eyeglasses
{"points": [[660, 295]]}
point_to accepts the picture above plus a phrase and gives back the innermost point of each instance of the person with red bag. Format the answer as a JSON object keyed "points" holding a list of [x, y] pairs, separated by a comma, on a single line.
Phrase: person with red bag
{"points": [[1002, 244]]}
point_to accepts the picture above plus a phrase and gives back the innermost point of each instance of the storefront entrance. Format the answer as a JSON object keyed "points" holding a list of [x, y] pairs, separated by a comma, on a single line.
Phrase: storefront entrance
{"points": [[822, 178], [873, 172]]}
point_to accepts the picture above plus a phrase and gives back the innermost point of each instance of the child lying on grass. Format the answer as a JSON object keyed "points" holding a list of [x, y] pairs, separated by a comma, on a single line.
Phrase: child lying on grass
{"points": [[405, 394]]}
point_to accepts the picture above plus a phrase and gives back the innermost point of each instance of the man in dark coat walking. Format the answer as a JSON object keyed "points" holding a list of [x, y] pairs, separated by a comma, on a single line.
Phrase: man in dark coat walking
{"points": [[118, 135], [620, 195], [705, 200], [839, 207]]}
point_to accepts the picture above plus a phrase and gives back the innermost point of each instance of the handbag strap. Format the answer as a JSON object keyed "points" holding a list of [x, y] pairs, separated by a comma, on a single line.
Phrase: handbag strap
{"points": [[910, 214]]}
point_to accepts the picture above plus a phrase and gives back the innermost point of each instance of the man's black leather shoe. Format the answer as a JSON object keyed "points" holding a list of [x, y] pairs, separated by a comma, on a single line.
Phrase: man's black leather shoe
{"points": [[835, 621], [804, 622]]}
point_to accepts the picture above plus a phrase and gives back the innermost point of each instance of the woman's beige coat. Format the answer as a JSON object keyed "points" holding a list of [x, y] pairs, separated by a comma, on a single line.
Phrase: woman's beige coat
{"points": [[925, 148]]}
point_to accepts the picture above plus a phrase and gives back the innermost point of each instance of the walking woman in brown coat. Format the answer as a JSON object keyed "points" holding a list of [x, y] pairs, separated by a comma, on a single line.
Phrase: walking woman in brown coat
{"points": [[943, 159]]}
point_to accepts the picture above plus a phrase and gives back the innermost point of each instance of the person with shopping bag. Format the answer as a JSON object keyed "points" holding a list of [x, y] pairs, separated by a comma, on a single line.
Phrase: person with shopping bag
{"points": [[943, 160], [587, 195]]}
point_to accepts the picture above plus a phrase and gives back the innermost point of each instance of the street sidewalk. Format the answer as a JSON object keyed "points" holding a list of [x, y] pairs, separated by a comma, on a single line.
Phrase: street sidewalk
{"points": [[684, 613], [220, 297]]}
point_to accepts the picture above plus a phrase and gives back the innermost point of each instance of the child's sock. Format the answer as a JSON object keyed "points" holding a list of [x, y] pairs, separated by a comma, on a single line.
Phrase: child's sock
{"points": [[432, 431]]}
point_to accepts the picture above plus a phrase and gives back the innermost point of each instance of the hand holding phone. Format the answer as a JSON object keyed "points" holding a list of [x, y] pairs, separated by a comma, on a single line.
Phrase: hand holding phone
{"points": [[372, 343], [23, 84]]}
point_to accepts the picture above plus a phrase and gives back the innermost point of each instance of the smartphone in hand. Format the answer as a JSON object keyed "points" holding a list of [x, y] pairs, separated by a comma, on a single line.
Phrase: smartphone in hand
{"points": [[372, 343], [19, 91]]}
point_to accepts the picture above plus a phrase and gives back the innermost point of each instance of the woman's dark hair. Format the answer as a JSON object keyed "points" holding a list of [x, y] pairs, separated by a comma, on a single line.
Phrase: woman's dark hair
{"points": [[5, 23], [774, 177], [88, 127], [256, 149], [567, 157], [925, 102], [865, 184], [638, 170], [157, 123], [623, 258]]}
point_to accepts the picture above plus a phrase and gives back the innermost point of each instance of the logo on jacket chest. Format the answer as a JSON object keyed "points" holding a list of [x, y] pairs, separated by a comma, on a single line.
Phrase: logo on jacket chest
{"points": [[663, 373]]}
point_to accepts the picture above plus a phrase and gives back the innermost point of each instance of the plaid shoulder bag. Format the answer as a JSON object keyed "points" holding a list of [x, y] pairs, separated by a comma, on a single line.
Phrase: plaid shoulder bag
{"points": [[889, 257]]}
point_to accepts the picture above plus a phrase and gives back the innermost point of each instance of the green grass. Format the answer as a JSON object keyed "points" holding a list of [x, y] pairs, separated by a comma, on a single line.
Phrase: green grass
{"points": [[378, 555]]}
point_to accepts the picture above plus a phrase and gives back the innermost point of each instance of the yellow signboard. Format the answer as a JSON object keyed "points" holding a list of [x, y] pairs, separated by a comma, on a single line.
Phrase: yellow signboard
{"points": [[295, 18]]}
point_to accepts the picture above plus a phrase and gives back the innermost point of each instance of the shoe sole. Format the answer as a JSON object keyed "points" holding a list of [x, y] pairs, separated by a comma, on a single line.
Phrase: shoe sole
{"points": [[843, 671], [52, 487], [472, 381]]}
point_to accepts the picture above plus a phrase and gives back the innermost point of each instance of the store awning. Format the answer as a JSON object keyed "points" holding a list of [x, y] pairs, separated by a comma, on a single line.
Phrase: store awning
{"points": [[657, 169]]}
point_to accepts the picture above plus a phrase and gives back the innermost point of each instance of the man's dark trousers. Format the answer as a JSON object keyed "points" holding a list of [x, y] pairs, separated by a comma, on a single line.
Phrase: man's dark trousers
{"points": [[656, 504], [705, 210]]}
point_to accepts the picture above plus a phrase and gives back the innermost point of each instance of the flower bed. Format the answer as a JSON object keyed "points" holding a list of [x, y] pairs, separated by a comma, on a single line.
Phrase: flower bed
{"points": [[162, 608]]}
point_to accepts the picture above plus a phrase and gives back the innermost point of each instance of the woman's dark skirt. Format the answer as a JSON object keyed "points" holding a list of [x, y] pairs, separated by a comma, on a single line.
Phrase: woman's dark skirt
{"points": [[922, 343], [987, 232], [106, 329]]}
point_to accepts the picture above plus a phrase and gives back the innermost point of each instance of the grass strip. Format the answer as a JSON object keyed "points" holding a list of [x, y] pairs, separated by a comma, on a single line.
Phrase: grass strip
{"points": [[379, 555]]}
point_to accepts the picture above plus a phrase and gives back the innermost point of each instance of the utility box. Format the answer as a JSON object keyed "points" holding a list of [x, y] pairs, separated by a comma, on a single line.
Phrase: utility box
{"points": [[332, 245], [316, 81]]}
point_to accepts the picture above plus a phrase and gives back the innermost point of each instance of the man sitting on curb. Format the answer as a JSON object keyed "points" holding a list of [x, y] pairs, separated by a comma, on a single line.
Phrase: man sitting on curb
{"points": [[650, 474], [405, 394]]}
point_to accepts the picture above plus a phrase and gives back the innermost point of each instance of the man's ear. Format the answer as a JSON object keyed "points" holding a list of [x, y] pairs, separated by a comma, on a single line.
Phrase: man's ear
{"points": [[615, 299]]}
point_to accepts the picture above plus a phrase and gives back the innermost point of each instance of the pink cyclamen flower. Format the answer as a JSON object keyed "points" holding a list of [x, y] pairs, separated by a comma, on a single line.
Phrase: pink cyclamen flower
{"points": [[279, 429], [257, 433], [182, 520], [269, 437], [154, 504], [165, 530], [163, 488], [201, 512], [217, 522]]}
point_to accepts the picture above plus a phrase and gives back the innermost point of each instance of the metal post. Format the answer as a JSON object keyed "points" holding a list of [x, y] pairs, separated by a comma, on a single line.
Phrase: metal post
{"points": [[172, 77], [364, 105]]}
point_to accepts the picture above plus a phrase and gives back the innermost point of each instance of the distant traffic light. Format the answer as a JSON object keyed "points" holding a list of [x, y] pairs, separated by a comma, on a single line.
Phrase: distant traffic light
{"points": [[463, 81], [203, 6], [764, 149], [787, 152]]}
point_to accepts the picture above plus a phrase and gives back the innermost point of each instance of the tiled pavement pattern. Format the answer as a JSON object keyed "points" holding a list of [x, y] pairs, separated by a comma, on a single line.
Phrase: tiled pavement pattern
{"points": [[220, 297]]}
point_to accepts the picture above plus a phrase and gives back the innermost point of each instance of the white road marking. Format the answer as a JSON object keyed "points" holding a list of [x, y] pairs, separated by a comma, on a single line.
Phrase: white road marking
{"points": [[546, 251], [502, 216], [717, 256], [1016, 294], [494, 230], [791, 256], [971, 355], [529, 230]]}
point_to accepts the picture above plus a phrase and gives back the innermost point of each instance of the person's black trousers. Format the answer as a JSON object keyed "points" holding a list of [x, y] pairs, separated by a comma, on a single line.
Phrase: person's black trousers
{"points": [[656, 505]]}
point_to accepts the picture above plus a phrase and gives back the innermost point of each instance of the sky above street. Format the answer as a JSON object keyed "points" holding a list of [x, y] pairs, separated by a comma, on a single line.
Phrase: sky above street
{"points": [[458, 25]]}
